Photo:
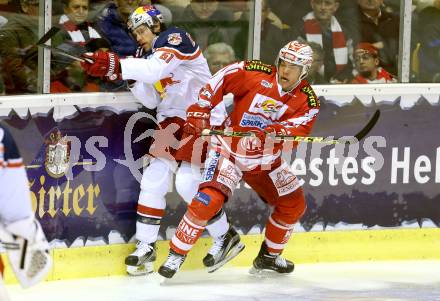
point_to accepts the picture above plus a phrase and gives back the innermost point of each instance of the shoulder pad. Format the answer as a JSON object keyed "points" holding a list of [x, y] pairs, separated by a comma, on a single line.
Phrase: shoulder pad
{"points": [[256, 65], [312, 99], [178, 39]]}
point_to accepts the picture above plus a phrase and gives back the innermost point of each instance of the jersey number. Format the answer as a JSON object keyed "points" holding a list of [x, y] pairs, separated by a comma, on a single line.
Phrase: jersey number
{"points": [[167, 57]]}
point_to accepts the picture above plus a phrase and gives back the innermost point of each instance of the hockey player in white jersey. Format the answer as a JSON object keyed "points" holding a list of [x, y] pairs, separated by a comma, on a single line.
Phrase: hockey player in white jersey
{"points": [[166, 74], [20, 233]]}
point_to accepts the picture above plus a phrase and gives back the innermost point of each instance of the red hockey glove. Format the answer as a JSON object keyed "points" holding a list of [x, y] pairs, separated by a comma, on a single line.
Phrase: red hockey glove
{"points": [[276, 129], [104, 64], [197, 118], [270, 132]]}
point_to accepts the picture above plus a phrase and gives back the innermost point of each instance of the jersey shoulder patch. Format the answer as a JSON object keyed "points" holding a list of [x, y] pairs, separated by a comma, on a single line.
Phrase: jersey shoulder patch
{"points": [[312, 99], [178, 39], [257, 65]]}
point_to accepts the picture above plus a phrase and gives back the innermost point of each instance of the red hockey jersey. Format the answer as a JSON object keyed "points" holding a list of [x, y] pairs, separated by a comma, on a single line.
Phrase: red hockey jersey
{"points": [[258, 101]]}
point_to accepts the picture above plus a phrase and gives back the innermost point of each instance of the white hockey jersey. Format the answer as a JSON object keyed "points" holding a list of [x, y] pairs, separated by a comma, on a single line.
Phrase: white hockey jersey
{"points": [[168, 80], [15, 198]]}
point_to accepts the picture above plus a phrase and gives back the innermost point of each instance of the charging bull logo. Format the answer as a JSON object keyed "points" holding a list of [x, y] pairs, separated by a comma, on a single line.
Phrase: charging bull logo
{"points": [[162, 85]]}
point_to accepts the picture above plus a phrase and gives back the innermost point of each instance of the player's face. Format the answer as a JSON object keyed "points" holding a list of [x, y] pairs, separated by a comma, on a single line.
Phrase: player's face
{"points": [[144, 37], [77, 10], [288, 75]]}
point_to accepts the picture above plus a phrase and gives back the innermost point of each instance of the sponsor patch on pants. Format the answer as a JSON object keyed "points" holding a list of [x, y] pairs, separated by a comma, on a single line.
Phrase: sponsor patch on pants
{"points": [[284, 180], [203, 198]]}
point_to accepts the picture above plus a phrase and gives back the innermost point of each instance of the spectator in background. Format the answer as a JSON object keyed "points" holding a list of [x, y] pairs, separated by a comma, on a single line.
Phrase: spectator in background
{"points": [[272, 37], [218, 56], [428, 35], [380, 28], [175, 6], [321, 26], [74, 22], [290, 12], [314, 77], [112, 24], [366, 58], [207, 22], [18, 51]]}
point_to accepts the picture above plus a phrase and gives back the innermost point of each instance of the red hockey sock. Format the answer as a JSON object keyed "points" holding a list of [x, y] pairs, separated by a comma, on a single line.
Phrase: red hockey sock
{"points": [[187, 234], [277, 236]]}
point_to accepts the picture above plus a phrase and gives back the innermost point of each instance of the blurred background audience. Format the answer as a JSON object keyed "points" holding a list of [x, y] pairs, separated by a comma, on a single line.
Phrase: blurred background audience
{"points": [[218, 56]]}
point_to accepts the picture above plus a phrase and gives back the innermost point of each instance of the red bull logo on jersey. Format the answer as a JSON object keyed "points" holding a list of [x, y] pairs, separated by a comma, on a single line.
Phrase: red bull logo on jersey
{"points": [[162, 84], [174, 39]]}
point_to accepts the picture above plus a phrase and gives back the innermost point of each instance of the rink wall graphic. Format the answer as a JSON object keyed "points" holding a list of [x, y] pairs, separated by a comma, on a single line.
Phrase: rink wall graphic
{"points": [[84, 178]]}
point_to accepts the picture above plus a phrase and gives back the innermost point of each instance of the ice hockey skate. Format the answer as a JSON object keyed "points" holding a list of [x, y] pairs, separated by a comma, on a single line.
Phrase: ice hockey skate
{"points": [[224, 249], [269, 262], [141, 261], [171, 265]]}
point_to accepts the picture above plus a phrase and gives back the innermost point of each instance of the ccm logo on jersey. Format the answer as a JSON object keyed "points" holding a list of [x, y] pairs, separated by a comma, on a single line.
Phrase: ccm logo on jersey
{"points": [[198, 115]]}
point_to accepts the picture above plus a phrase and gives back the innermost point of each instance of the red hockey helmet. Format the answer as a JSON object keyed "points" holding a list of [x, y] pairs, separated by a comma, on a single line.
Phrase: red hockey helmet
{"points": [[297, 53]]}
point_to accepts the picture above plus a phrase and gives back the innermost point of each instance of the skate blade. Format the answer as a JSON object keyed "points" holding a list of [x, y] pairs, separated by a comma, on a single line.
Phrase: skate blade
{"points": [[265, 273], [231, 255], [141, 270]]}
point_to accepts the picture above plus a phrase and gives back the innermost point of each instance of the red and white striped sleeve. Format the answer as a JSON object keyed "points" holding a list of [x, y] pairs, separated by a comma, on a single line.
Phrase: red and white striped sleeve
{"points": [[230, 79], [300, 121]]}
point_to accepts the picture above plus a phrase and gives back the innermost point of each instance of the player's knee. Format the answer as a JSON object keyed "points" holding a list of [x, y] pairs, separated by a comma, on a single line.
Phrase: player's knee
{"points": [[156, 178], [187, 184], [206, 203], [291, 210]]}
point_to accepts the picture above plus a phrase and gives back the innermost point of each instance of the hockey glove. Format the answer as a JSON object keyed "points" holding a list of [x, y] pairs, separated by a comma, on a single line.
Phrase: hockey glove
{"points": [[270, 133], [197, 118], [104, 64]]}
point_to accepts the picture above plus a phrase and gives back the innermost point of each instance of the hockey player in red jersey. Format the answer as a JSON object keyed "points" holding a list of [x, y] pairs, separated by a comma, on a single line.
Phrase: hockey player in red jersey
{"points": [[166, 75], [20, 233], [268, 101]]}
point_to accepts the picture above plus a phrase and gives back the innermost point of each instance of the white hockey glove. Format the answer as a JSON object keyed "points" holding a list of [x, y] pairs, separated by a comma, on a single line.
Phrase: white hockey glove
{"points": [[28, 251]]}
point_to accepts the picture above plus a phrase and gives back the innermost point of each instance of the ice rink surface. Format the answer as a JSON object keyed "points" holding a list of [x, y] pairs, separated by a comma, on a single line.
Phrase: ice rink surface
{"points": [[360, 281]]}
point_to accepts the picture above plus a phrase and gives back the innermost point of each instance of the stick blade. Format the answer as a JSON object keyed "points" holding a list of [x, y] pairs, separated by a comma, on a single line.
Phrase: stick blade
{"points": [[48, 35], [367, 128]]}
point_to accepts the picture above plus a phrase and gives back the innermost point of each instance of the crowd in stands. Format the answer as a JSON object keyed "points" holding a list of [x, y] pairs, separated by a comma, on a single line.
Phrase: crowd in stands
{"points": [[354, 41]]}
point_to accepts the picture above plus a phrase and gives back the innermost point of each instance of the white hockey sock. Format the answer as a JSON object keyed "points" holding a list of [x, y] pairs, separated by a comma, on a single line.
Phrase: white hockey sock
{"points": [[219, 226]]}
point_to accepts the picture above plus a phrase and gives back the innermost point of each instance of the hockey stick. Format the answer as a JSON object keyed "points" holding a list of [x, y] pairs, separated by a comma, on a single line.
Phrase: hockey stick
{"points": [[63, 53], [359, 136], [48, 35]]}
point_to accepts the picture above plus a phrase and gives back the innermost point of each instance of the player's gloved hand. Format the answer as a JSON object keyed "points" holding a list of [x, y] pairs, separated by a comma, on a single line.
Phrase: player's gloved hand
{"points": [[197, 118], [270, 133], [275, 129], [104, 64]]}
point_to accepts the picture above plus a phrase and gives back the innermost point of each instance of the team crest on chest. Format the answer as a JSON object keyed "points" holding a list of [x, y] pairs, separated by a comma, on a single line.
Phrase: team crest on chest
{"points": [[267, 106], [174, 39]]}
